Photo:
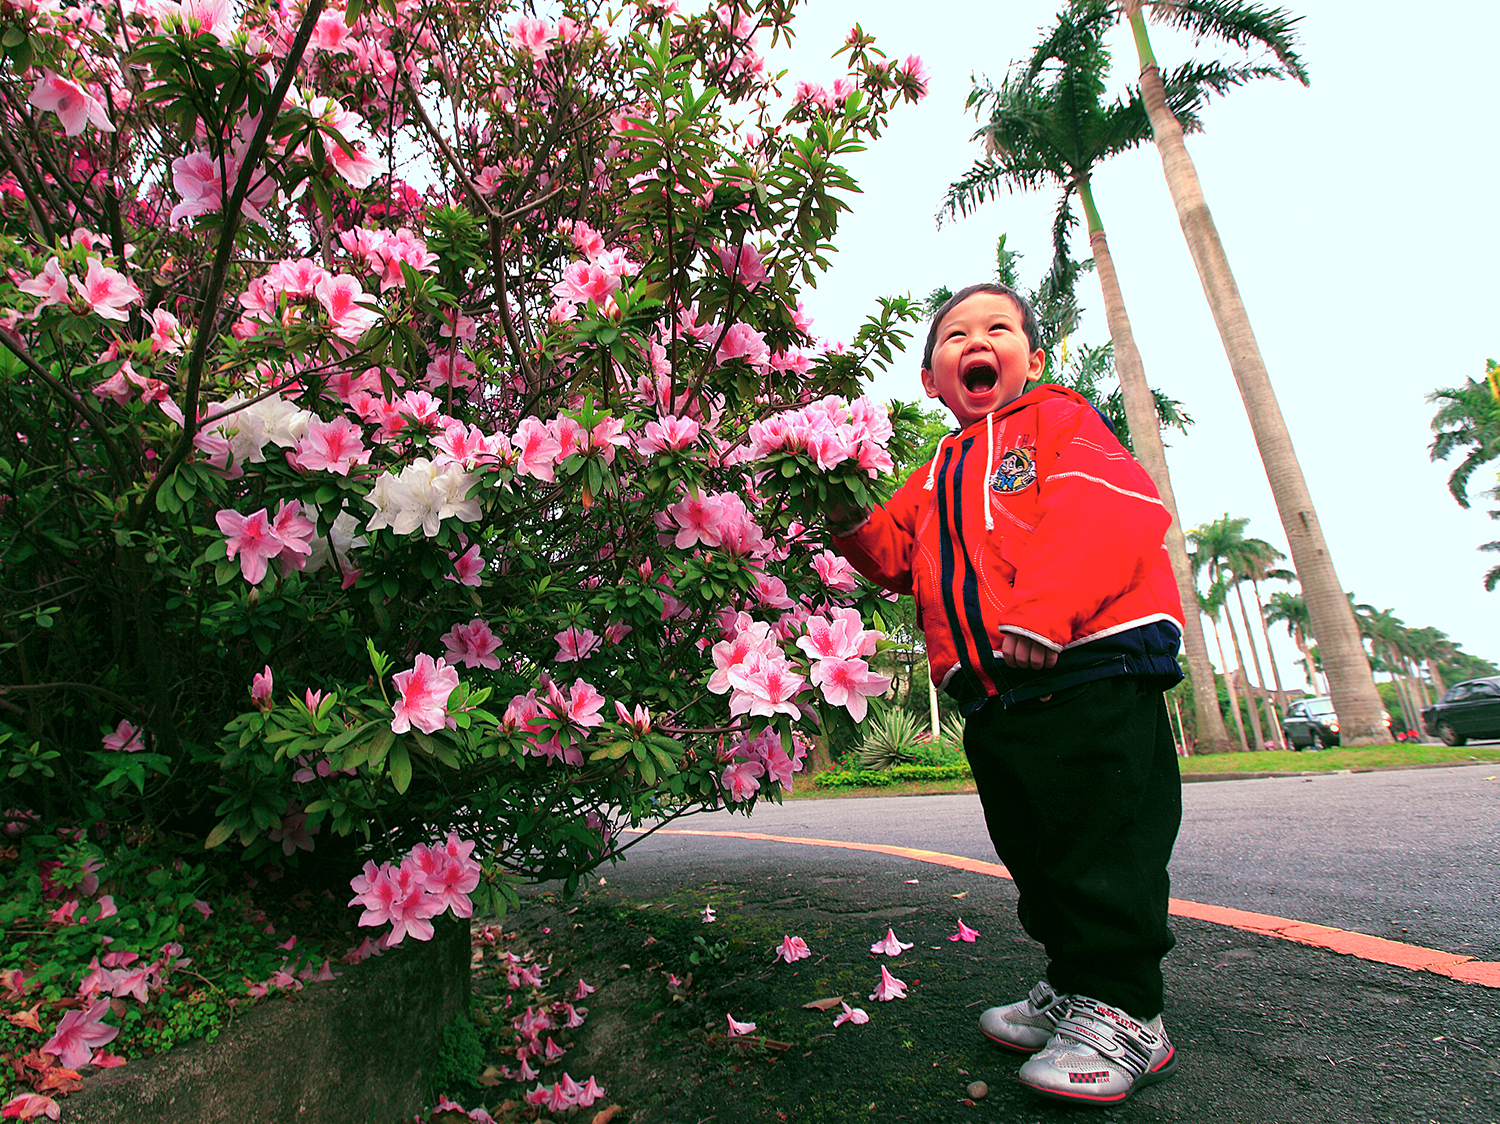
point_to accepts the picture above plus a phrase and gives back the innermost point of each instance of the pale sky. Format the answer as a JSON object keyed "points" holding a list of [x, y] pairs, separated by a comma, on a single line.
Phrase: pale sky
{"points": [[1348, 212]]}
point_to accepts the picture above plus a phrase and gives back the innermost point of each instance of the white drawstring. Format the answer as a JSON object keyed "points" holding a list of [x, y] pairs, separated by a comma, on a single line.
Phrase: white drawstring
{"points": [[989, 467], [932, 470]]}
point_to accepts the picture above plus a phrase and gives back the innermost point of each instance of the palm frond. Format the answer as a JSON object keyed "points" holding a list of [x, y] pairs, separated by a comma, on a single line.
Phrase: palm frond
{"points": [[1249, 26]]}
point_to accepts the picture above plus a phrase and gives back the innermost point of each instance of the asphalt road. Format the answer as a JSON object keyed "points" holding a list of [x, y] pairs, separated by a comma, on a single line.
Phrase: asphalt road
{"points": [[1412, 855], [1273, 1031]]}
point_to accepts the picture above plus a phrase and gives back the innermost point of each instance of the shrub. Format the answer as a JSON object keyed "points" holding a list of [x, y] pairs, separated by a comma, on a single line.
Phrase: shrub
{"points": [[409, 423]]}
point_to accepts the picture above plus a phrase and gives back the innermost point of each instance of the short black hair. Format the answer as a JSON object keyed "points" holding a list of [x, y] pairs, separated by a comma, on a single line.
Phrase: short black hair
{"points": [[1028, 316]]}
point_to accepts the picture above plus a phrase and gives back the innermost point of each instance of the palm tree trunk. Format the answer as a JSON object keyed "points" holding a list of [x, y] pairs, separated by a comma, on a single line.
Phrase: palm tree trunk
{"points": [[1234, 702], [1307, 662], [1265, 631], [1344, 661], [1267, 706], [932, 705], [1145, 436], [1437, 679], [1239, 659]]}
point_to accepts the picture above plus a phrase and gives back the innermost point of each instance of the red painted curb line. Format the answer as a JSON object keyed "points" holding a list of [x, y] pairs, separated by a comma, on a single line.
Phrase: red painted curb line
{"points": [[1361, 945]]}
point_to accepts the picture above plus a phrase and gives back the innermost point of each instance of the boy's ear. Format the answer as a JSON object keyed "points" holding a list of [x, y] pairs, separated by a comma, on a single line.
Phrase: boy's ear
{"points": [[1037, 365], [929, 384]]}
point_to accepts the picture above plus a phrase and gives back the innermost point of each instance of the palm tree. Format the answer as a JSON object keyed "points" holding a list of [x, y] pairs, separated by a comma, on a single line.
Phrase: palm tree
{"points": [[1253, 561], [1470, 415], [1289, 609], [1215, 546], [1048, 125], [1246, 25], [1211, 604]]}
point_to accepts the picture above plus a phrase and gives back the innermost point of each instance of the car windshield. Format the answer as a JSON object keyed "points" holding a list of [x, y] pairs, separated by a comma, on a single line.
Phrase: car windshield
{"points": [[1319, 706]]}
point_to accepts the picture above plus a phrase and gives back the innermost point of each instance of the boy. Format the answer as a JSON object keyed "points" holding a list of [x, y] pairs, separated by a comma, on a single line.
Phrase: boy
{"points": [[1033, 546]]}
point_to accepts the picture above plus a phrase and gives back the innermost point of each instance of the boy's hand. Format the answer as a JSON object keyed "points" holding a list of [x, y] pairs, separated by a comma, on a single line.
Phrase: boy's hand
{"points": [[842, 517], [1022, 651]]}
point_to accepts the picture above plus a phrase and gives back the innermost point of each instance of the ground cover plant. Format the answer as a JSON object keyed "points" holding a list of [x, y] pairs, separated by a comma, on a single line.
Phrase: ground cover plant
{"points": [[411, 432]]}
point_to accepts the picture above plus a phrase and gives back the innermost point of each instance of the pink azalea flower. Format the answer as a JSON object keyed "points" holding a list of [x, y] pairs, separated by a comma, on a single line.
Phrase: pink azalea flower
{"points": [[358, 168], [699, 517], [576, 644], [296, 532], [590, 1093], [340, 297], [737, 1028], [584, 704], [468, 568], [262, 683], [424, 695], [765, 687], [473, 645], [583, 990], [889, 987], [793, 949], [855, 1015], [746, 266], [332, 446], [75, 107], [78, 1033], [889, 944], [292, 834], [668, 432], [848, 683], [125, 739], [741, 780], [331, 34], [835, 572], [106, 291], [252, 539], [708, 915], [539, 451], [105, 1060], [51, 284], [166, 332], [743, 342], [533, 36], [584, 281], [28, 1106], [964, 933], [451, 885]]}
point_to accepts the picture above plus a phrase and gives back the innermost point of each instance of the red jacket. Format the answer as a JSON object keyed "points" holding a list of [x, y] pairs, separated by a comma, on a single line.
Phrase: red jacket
{"points": [[1034, 521]]}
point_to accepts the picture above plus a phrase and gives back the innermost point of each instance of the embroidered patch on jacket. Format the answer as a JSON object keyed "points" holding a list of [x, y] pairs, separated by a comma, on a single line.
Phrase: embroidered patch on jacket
{"points": [[1015, 470]]}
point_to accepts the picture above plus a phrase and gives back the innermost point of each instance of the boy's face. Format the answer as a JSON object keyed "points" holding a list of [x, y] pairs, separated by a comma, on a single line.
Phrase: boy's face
{"points": [[981, 359]]}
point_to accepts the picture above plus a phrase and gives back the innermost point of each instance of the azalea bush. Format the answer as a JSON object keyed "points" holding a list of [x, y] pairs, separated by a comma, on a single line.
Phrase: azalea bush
{"points": [[411, 426]]}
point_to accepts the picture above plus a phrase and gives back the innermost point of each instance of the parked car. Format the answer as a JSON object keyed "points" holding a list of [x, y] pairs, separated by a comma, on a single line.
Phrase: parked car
{"points": [[1470, 709], [1312, 724]]}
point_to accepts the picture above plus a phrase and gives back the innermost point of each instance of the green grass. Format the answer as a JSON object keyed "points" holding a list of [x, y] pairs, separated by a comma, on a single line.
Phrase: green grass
{"points": [[1277, 761], [1332, 760]]}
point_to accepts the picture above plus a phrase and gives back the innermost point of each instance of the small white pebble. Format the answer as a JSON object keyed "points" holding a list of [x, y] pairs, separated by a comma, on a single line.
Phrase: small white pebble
{"points": [[978, 1090]]}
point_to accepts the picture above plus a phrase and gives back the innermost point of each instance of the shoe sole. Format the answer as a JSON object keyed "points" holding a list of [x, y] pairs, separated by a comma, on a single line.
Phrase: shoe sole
{"points": [[1160, 1073], [1013, 1047]]}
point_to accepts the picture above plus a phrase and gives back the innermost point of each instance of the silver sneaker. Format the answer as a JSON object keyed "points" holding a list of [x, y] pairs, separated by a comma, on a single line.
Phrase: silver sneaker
{"points": [[1025, 1026], [1099, 1055]]}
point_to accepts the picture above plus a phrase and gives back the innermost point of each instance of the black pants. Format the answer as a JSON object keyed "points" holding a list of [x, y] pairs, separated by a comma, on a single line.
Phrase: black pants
{"points": [[1083, 800]]}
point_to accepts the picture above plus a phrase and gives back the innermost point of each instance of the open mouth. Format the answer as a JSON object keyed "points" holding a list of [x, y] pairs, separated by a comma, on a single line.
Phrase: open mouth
{"points": [[979, 378]]}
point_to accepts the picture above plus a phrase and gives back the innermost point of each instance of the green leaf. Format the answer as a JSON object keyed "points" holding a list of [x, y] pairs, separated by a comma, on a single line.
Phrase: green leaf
{"points": [[380, 745], [218, 835], [348, 736], [400, 767]]}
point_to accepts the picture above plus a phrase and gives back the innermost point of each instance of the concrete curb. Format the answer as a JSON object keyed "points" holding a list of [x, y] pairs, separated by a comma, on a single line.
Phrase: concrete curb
{"points": [[352, 1051]]}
